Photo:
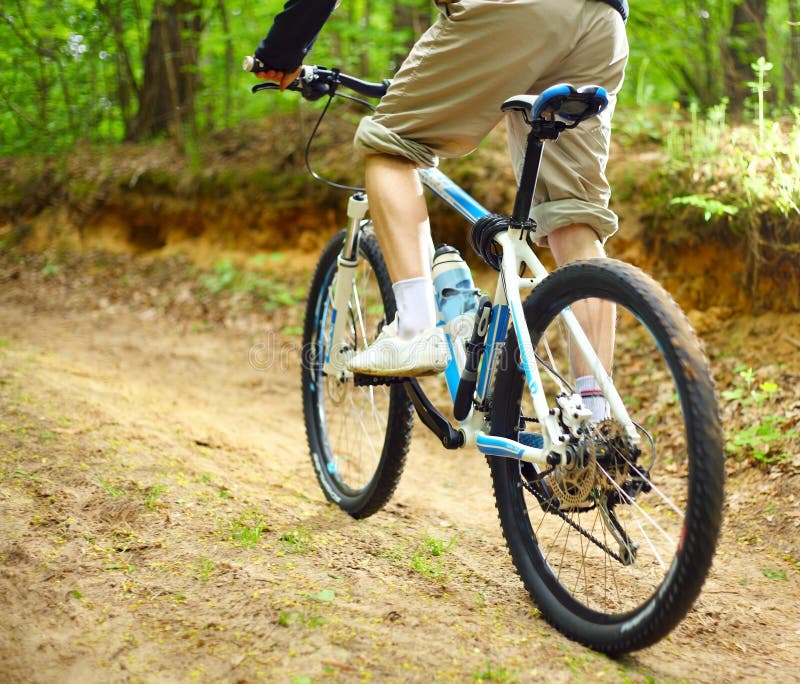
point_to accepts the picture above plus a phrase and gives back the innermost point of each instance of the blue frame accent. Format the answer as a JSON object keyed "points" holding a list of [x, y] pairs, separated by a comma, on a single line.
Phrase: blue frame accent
{"points": [[452, 373], [472, 210], [529, 376], [497, 446], [330, 335], [498, 331], [450, 193]]}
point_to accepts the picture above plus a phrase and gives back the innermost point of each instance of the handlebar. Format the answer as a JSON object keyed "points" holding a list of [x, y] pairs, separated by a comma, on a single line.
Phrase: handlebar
{"points": [[315, 82]]}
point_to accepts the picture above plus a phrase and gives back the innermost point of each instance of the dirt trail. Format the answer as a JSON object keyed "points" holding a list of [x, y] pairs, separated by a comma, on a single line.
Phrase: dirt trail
{"points": [[160, 521]]}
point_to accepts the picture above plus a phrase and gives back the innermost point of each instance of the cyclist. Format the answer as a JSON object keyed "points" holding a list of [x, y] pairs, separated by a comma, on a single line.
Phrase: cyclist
{"points": [[442, 102]]}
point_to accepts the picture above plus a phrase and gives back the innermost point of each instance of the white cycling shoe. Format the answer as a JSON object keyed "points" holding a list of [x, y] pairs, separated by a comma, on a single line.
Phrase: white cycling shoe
{"points": [[392, 356]]}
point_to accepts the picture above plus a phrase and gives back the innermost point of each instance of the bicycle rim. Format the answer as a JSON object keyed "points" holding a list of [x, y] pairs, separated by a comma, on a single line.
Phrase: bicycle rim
{"points": [[358, 435], [615, 549]]}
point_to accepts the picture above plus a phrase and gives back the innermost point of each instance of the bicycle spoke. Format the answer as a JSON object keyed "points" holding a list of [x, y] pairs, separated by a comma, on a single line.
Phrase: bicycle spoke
{"points": [[608, 526], [358, 436]]}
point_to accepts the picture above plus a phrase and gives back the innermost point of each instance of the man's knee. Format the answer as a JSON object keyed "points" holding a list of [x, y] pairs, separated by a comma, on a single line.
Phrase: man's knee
{"points": [[575, 241], [373, 138]]}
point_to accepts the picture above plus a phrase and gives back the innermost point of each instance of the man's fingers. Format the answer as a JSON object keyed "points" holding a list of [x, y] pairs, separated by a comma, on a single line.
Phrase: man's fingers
{"points": [[269, 75], [288, 78], [283, 78]]}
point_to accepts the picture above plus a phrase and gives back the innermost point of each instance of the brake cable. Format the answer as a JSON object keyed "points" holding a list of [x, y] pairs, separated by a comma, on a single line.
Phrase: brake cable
{"points": [[314, 174]]}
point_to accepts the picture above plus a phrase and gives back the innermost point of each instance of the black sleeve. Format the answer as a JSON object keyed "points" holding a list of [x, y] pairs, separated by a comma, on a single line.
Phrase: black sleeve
{"points": [[293, 33]]}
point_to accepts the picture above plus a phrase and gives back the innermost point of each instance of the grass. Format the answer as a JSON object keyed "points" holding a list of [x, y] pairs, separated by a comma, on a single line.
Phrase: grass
{"points": [[274, 293], [151, 495], [427, 557], [489, 673], [247, 529], [112, 490], [203, 569], [296, 541]]}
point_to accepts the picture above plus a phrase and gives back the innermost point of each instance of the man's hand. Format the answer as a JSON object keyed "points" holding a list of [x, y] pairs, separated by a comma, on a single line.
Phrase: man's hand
{"points": [[282, 78]]}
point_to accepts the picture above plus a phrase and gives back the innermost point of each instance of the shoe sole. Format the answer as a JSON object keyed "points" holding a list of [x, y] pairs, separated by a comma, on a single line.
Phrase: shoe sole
{"points": [[411, 372]]}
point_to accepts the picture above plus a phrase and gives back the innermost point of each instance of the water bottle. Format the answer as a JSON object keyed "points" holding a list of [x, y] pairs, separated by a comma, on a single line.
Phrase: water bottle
{"points": [[456, 294]]}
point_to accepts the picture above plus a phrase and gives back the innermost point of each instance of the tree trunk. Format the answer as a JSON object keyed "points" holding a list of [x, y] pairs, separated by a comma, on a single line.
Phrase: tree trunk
{"points": [[227, 107], [413, 18], [166, 97], [747, 42], [791, 64], [126, 85]]}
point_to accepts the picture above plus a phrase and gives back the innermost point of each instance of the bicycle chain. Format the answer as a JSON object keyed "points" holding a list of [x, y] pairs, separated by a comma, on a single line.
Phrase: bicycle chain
{"points": [[552, 509]]}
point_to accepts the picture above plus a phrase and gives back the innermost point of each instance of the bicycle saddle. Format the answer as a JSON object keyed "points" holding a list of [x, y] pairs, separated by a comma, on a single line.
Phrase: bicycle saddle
{"points": [[562, 100]]}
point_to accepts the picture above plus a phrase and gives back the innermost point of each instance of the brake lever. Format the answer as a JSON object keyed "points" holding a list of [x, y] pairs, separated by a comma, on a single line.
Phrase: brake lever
{"points": [[264, 86]]}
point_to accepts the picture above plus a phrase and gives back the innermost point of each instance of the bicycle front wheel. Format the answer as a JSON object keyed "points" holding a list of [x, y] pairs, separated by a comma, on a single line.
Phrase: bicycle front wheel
{"points": [[615, 548], [358, 436]]}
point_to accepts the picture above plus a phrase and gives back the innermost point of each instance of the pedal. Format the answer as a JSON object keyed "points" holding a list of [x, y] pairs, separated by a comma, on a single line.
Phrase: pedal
{"points": [[360, 380]]}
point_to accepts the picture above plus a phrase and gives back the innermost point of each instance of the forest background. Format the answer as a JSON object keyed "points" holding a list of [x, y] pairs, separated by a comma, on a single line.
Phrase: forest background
{"points": [[86, 86]]}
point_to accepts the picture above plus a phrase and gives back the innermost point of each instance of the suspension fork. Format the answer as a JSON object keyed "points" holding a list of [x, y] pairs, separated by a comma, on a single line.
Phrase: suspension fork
{"points": [[347, 262]]}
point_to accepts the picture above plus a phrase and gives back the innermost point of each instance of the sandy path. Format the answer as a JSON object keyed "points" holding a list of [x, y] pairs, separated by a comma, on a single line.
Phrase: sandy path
{"points": [[140, 458]]}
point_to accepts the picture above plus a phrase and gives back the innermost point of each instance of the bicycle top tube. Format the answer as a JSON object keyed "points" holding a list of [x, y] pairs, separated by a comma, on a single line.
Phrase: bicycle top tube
{"points": [[453, 194]]}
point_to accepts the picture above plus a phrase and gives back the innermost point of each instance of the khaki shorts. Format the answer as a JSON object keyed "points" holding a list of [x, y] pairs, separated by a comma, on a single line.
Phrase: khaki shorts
{"points": [[447, 94]]}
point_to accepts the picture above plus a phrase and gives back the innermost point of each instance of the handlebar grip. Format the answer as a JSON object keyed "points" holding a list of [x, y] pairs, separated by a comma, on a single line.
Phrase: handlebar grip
{"points": [[253, 64]]}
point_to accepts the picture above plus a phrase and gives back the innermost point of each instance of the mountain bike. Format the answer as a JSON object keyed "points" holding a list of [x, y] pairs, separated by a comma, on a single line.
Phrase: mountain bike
{"points": [[611, 525]]}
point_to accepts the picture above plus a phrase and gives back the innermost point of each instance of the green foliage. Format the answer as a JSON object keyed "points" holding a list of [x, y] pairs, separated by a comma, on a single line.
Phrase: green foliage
{"points": [[760, 86], [203, 569], [760, 438], [296, 541], [274, 293], [426, 558], [151, 496], [741, 179], [685, 49], [248, 528], [767, 436], [72, 71], [493, 674], [324, 595], [772, 574], [747, 392], [709, 205]]}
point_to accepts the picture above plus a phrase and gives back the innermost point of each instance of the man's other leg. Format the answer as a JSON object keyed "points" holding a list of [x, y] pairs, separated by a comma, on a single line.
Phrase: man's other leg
{"points": [[596, 317]]}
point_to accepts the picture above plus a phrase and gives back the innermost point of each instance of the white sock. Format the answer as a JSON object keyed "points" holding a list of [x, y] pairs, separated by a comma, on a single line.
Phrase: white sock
{"points": [[592, 397], [416, 308]]}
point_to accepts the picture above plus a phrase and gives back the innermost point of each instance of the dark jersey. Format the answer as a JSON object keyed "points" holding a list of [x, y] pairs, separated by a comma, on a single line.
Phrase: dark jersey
{"points": [[295, 29]]}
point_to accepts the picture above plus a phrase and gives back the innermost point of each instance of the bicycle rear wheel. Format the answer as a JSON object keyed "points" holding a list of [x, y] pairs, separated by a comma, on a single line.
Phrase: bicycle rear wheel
{"points": [[358, 436], [615, 549]]}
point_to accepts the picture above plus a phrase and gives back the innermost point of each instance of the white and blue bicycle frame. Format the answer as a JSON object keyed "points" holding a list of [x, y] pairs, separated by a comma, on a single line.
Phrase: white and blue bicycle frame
{"points": [[507, 311]]}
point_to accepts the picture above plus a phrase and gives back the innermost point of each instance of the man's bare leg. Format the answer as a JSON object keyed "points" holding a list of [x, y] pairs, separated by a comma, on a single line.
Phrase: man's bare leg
{"points": [[400, 216], [597, 317], [413, 344], [398, 210]]}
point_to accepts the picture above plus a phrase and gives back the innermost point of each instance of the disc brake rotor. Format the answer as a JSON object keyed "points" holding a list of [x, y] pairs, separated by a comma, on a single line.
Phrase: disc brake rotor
{"points": [[573, 484]]}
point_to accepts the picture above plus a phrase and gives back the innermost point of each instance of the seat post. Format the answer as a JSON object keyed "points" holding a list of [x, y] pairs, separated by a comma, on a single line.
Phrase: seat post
{"points": [[527, 182]]}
